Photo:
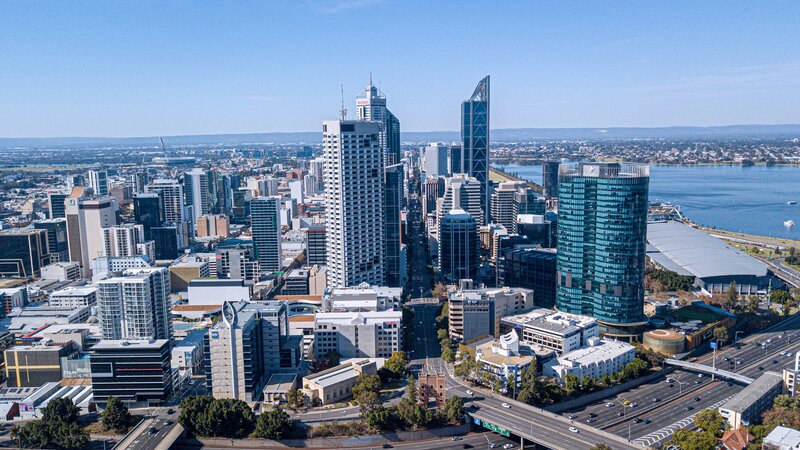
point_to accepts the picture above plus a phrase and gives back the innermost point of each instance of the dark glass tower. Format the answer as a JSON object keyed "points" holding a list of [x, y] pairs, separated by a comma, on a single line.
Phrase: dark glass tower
{"points": [[475, 140], [602, 229], [148, 211], [550, 178], [459, 247]]}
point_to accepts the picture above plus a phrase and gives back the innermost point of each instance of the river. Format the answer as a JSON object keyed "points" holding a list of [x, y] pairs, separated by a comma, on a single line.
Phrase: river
{"points": [[750, 200]]}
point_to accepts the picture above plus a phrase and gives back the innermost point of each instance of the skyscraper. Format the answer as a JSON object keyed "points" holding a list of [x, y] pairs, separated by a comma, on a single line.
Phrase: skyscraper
{"points": [[135, 305], [266, 230], [56, 238], [462, 192], [372, 107], [315, 244], [122, 240], [171, 193], [195, 188], [503, 205], [98, 180], [602, 226], [147, 211], [436, 160], [86, 218], [56, 203], [23, 252], [354, 194], [550, 178], [475, 140], [459, 246]]}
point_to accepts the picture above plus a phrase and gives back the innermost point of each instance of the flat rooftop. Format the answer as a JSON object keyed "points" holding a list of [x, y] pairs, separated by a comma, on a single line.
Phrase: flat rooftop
{"points": [[753, 392], [280, 382], [131, 344], [366, 318], [689, 251]]}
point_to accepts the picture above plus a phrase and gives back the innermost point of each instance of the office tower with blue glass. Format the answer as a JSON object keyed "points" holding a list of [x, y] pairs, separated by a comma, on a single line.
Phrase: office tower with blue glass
{"points": [[266, 230], [602, 224], [459, 246], [475, 141]]}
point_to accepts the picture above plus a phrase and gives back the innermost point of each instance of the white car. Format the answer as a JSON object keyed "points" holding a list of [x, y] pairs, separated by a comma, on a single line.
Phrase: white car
{"points": [[469, 392], [573, 429], [508, 446], [699, 375], [610, 405], [788, 353], [783, 352], [505, 405]]}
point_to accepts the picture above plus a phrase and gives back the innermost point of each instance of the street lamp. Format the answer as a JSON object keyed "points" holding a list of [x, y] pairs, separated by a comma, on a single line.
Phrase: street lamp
{"points": [[680, 386], [736, 336]]}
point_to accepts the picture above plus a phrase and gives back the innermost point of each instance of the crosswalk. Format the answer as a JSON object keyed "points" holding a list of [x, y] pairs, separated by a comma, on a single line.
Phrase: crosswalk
{"points": [[649, 440]]}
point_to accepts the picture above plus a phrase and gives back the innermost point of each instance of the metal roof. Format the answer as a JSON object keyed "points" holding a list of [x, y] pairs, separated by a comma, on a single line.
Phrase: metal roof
{"points": [[698, 253]]}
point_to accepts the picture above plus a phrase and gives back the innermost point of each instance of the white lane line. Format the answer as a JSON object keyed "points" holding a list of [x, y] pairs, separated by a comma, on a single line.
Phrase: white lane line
{"points": [[660, 435]]}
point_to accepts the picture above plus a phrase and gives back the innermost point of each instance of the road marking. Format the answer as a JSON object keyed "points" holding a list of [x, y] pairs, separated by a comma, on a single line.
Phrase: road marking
{"points": [[660, 435]]}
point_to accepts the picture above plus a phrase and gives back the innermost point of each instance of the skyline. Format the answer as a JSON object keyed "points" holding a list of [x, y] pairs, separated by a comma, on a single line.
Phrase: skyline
{"points": [[145, 69]]}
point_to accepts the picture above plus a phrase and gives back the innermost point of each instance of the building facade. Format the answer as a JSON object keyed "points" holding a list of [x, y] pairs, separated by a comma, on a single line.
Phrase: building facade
{"points": [[459, 246], [137, 372], [135, 305], [266, 230], [475, 141]]}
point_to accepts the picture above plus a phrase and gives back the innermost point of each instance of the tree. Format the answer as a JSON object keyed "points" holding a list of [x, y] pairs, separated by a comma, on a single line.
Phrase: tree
{"points": [[752, 304], [448, 354], [571, 384], [294, 399], [786, 401], [68, 436], [381, 418], [412, 393], [781, 416], [116, 416], [396, 363], [35, 434], [454, 409], [366, 392], [205, 416], [601, 447], [691, 440], [711, 421], [780, 296], [442, 334], [634, 369], [61, 410], [439, 291], [51, 434], [330, 359], [588, 384], [721, 334], [731, 295], [274, 424]]}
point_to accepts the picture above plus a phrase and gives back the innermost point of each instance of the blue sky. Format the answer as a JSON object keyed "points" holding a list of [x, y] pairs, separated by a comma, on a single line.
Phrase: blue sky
{"points": [[143, 68]]}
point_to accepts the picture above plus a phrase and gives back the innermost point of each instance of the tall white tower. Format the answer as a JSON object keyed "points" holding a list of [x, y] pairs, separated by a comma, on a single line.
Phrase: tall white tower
{"points": [[353, 175]]}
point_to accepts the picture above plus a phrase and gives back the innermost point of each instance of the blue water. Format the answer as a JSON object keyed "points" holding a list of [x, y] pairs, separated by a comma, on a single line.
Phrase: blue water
{"points": [[743, 199]]}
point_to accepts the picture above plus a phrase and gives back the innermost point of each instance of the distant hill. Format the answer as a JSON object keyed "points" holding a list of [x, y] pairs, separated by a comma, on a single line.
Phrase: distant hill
{"points": [[499, 135]]}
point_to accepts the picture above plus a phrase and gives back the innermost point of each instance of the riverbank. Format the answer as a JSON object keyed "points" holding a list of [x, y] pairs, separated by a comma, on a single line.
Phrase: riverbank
{"points": [[747, 239]]}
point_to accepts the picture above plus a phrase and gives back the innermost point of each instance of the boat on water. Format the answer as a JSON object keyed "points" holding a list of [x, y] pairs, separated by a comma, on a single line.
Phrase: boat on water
{"points": [[791, 202], [789, 223]]}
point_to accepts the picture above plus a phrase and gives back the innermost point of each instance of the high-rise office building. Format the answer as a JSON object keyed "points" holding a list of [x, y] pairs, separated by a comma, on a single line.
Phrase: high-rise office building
{"points": [[98, 181], [372, 107], [316, 168], [354, 185], [532, 268], [139, 181], [459, 246], [23, 252], [241, 205], [86, 218], [315, 244], [147, 211], [56, 238], [432, 190], [166, 240], [550, 178], [173, 211], [213, 225], [196, 190], [462, 192], [456, 160], [526, 201], [602, 224], [55, 199], [237, 263], [266, 230], [135, 305], [246, 347], [475, 140], [436, 160]]}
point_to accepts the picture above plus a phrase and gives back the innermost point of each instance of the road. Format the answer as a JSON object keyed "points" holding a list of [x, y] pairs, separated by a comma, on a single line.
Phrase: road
{"points": [[420, 278], [162, 423], [671, 405]]}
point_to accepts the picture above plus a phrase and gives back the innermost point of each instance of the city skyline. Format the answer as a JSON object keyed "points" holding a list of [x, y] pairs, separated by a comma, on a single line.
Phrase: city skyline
{"points": [[82, 70]]}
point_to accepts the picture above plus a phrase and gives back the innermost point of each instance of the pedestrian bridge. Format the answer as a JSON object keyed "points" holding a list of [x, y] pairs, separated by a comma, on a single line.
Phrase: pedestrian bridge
{"points": [[709, 370]]}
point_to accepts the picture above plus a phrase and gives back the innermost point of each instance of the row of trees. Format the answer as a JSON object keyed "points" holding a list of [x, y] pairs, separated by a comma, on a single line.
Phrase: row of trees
{"points": [[57, 429], [711, 426], [211, 417], [657, 280]]}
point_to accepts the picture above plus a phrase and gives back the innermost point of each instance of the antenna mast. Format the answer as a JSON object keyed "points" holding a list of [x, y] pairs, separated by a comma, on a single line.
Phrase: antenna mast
{"points": [[343, 110]]}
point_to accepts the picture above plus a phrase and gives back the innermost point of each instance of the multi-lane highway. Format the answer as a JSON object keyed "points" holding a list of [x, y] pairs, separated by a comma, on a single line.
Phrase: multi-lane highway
{"points": [[673, 399]]}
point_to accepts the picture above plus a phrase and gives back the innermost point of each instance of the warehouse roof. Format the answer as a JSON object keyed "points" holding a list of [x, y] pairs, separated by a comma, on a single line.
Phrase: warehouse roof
{"points": [[675, 245]]}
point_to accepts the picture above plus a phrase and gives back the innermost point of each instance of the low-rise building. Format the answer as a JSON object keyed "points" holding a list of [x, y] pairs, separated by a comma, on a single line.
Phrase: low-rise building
{"points": [[217, 292], [781, 438], [136, 372], [11, 298], [187, 354], [295, 282], [183, 272], [358, 334], [554, 330], [73, 297], [477, 312], [748, 404], [503, 358], [62, 271], [602, 357], [35, 365], [336, 384], [278, 387], [362, 298]]}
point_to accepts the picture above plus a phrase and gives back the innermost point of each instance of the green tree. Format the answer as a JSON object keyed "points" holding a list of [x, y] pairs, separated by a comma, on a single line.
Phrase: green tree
{"points": [[61, 410], [34, 434], [397, 363], [413, 414], [588, 384], [781, 416], [786, 401], [116, 416], [731, 296], [634, 369], [721, 334], [442, 334], [601, 447], [294, 398], [274, 424], [381, 418], [440, 291], [711, 421], [780, 296], [412, 393], [752, 304], [205, 416], [68, 436], [691, 440], [571, 384], [454, 409], [367, 392]]}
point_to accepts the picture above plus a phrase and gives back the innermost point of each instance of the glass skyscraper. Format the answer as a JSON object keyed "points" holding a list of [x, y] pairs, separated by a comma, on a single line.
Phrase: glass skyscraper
{"points": [[475, 140], [602, 224]]}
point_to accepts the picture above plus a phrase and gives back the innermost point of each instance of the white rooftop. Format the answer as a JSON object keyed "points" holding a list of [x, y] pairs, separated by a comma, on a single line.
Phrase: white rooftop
{"points": [[352, 318], [606, 349]]}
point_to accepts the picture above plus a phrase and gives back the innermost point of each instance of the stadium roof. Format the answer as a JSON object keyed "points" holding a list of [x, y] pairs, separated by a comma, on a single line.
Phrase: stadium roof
{"points": [[689, 251]]}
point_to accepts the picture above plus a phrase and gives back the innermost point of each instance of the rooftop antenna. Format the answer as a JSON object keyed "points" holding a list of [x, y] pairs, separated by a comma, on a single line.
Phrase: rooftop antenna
{"points": [[163, 149], [370, 78], [343, 110]]}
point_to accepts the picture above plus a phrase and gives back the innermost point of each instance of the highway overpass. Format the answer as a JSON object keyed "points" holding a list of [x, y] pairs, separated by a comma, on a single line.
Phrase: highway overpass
{"points": [[709, 370]]}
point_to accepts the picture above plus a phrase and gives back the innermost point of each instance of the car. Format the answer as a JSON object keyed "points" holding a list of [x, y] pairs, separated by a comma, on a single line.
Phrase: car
{"points": [[505, 405], [788, 353], [698, 381], [671, 385], [760, 368], [689, 408], [455, 438], [572, 416], [670, 380], [493, 445], [387, 446], [769, 341], [626, 402], [634, 405], [620, 414], [469, 392], [699, 375], [783, 352], [610, 405], [697, 399], [729, 384], [152, 430], [592, 415], [466, 446], [774, 361], [646, 421], [655, 399], [738, 347], [637, 420], [170, 411], [507, 446], [591, 420], [573, 429]]}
